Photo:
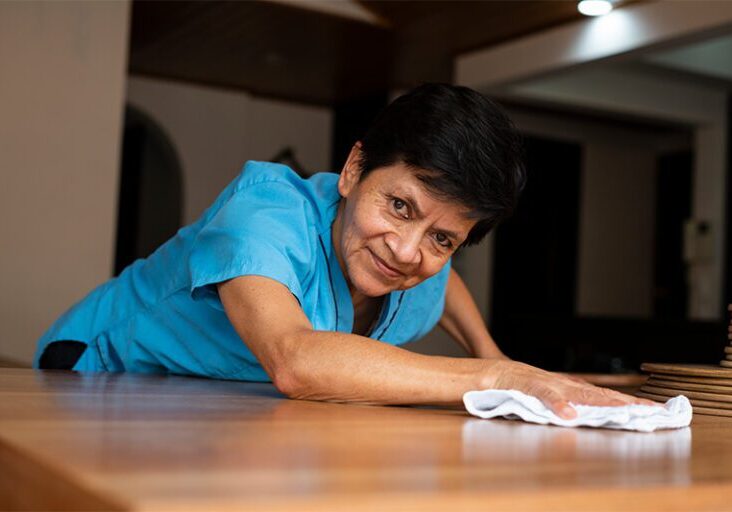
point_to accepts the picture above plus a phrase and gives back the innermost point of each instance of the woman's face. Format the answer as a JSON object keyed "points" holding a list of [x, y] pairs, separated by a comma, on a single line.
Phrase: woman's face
{"points": [[390, 233]]}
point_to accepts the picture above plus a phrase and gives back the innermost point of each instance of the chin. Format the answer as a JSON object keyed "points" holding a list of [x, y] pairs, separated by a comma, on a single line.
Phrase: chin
{"points": [[371, 287]]}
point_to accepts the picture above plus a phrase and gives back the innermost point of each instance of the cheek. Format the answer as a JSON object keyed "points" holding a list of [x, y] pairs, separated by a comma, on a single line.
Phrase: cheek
{"points": [[369, 223]]}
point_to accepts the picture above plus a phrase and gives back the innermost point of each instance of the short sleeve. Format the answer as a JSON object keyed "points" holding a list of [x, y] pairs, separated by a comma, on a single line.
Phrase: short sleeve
{"points": [[264, 229]]}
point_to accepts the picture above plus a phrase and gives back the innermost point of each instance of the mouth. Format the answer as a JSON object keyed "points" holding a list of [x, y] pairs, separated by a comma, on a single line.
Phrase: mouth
{"points": [[385, 269]]}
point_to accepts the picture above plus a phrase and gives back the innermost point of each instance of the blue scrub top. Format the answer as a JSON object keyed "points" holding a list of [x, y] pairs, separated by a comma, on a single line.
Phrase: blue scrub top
{"points": [[162, 314]]}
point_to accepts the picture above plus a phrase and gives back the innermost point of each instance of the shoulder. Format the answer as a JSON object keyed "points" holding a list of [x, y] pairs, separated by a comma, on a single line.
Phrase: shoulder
{"points": [[278, 184], [255, 172], [266, 223]]}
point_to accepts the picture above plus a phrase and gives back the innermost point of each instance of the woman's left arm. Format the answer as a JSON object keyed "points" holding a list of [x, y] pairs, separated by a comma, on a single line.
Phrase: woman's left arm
{"points": [[463, 322]]}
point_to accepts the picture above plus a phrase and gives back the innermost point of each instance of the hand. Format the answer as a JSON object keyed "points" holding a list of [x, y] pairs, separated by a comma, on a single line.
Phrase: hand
{"points": [[575, 378], [555, 390]]}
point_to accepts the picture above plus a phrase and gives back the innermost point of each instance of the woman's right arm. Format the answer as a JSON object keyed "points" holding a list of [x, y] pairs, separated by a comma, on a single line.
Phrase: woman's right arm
{"points": [[335, 366]]}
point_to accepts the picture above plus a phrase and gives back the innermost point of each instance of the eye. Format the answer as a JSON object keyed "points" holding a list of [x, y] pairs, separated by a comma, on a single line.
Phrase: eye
{"points": [[443, 240], [400, 207]]}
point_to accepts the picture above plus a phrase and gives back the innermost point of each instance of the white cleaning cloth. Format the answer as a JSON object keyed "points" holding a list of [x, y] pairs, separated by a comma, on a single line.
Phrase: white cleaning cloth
{"points": [[512, 404]]}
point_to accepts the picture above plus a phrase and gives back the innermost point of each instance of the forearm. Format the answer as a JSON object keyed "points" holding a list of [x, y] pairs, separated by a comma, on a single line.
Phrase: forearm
{"points": [[337, 366], [464, 323], [324, 365], [343, 367]]}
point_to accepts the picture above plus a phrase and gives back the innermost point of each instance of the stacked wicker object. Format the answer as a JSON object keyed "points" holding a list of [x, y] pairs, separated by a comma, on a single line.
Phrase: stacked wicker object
{"points": [[708, 387]]}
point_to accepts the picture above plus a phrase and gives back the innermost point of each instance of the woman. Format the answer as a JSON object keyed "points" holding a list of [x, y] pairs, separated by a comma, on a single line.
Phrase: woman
{"points": [[313, 284]]}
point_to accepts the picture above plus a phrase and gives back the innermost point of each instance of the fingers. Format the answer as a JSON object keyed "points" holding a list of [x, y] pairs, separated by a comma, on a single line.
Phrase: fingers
{"points": [[559, 398], [603, 397], [632, 400], [644, 401], [558, 392]]}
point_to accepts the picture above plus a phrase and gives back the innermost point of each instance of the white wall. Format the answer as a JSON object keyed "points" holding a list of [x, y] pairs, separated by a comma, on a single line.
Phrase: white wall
{"points": [[61, 96], [215, 131]]}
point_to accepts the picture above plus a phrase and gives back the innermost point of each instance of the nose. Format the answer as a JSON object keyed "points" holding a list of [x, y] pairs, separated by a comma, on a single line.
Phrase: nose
{"points": [[404, 246]]}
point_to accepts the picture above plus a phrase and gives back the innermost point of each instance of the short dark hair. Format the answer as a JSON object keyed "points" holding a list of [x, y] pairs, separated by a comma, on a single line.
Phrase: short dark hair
{"points": [[466, 140]]}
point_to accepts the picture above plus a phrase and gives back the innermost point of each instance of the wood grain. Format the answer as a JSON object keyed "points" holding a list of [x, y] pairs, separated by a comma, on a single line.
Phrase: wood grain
{"points": [[688, 386], [694, 401], [697, 380], [140, 442], [694, 370], [701, 395], [698, 405], [28, 484]]}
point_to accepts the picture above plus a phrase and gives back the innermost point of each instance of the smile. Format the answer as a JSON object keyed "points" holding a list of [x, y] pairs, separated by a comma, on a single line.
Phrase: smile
{"points": [[384, 268]]}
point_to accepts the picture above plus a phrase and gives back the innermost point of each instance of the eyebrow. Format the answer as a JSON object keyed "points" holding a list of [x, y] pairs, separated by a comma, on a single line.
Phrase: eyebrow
{"points": [[415, 206]]}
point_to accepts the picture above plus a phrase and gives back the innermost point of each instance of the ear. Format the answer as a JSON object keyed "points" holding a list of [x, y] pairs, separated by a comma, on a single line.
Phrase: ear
{"points": [[351, 172]]}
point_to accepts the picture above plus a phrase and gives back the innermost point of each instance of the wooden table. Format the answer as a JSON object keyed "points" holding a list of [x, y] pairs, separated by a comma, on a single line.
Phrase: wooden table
{"points": [[131, 442]]}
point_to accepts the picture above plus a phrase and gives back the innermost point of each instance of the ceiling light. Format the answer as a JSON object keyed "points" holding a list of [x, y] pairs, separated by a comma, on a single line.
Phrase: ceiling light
{"points": [[594, 7]]}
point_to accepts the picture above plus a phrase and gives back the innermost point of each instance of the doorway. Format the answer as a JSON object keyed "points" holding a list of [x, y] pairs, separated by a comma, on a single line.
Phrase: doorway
{"points": [[150, 202]]}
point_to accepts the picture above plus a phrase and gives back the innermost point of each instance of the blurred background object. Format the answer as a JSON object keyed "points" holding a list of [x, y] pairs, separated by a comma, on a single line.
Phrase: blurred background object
{"points": [[121, 122]]}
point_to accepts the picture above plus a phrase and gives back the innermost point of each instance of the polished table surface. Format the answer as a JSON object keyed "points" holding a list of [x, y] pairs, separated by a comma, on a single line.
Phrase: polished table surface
{"points": [[132, 442]]}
